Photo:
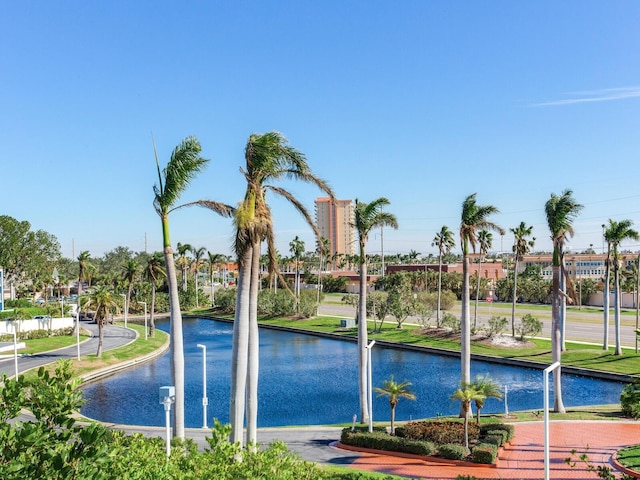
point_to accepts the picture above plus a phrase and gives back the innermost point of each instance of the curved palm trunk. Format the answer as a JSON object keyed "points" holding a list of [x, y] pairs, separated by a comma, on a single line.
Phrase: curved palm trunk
{"points": [[253, 351], [100, 337], [556, 354], [152, 321], [515, 290], [362, 343], [177, 344], [475, 312], [465, 327], [616, 306], [563, 309], [605, 305], [393, 418], [439, 290], [239, 350]]}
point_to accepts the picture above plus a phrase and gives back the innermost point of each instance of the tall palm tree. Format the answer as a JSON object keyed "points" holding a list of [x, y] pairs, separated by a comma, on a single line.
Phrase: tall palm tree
{"points": [[130, 271], [268, 158], [484, 241], [83, 260], [183, 262], [185, 163], [198, 257], [616, 233], [487, 388], [474, 217], [296, 247], [154, 270], [521, 247], [213, 262], [466, 394], [102, 300], [366, 217], [560, 211], [395, 391], [445, 242]]}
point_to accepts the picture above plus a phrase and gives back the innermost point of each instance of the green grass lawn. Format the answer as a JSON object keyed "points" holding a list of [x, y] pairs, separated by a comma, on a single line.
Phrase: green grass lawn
{"points": [[630, 457]]}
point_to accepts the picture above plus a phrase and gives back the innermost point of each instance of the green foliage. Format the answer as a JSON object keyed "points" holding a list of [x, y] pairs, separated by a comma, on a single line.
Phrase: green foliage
{"points": [[453, 451], [226, 300], [493, 427], [452, 322], [440, 432], [484, 453], [496, 325], [630, 400], [333, 284], [529, 326], [283, 304], [380, 440]]}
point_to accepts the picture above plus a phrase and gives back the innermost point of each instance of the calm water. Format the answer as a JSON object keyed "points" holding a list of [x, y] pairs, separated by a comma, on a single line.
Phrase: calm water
{"points": [[308, 380]]}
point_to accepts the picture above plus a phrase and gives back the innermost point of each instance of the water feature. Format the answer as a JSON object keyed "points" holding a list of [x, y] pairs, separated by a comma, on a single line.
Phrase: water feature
{"points": [[310, 380]]}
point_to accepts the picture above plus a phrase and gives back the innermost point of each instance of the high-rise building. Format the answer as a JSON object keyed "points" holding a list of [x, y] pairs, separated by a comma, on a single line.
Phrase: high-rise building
{"points": [[334, 219]]}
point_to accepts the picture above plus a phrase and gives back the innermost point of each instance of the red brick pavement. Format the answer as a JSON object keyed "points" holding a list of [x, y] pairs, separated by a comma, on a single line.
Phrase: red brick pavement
{"points": [[524, 457]]}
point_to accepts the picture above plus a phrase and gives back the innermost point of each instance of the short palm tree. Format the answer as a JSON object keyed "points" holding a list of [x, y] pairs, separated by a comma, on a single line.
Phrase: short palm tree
{"points": [[616, 233], [395, 391], [83, 260], [184, 165], [487, 388], [445, 242], [183, 262], [366, 217], [296, 247], [466, 394], [484, 241], [521, 247], [130, 272], [198, 257], [213, 262], [473, 217], [268, 158], [102, 301], [560, 211], [154, 271]]}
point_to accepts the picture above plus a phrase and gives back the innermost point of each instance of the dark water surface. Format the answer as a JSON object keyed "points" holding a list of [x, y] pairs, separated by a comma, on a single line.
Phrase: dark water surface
{"points": [[306, 380]]}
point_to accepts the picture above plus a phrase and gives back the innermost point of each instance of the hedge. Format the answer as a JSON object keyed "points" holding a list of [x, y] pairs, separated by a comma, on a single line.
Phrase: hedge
{"points": [[484, 453]]}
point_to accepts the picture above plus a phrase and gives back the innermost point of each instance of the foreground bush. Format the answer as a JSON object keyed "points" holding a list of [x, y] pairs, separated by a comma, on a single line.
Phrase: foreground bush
{"points": [[630, 400], [441, 432], [381, 440]]}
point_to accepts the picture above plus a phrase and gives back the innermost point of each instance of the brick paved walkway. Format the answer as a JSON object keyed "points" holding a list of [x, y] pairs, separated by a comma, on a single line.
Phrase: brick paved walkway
{"points": [[524, 457]]}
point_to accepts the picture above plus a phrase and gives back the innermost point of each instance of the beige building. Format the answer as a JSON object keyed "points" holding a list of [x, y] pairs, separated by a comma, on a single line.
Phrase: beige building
{"points": [[577, 265], [334, 219]]}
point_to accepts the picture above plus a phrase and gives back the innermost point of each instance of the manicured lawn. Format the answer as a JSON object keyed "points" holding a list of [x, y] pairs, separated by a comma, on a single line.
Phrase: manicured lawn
{"points": [[630, 457]]}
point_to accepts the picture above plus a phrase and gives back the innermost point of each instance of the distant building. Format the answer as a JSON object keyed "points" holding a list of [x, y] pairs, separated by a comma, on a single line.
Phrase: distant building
{"points": [[334, 219], [577, 265]]}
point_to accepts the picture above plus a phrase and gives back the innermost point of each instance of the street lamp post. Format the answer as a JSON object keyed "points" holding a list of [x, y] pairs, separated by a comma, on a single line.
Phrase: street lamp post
{"points": [[167, 397], [126, 309], [145, 319], [545, 387], [369, 385], [205, 400]]}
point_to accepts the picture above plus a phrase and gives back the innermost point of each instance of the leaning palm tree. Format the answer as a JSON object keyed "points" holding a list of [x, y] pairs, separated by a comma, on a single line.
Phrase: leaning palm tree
{"points": [[366, 217], [395, 391], [616, 233], [466, 394], [484, 241], [445, 242], [268, 158], [521, 247], [474, 217], [185, 163], [560, 211], [103, 302], [153, 271], [487, 388]]}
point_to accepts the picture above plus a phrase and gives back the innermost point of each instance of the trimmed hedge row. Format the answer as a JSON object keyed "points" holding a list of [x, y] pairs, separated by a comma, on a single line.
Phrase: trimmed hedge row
{"points": [[484, 453], [383, 441], [440, 432]]}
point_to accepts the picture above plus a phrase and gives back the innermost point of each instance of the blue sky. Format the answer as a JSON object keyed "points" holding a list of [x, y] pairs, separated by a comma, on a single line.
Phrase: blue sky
{"points": [[423, 102]]}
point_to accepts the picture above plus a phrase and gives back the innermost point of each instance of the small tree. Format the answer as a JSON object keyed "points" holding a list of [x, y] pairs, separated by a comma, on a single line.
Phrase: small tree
{"points": [[466, 394], [496, 325], [395, 391], [487, 388], [529, 326]]}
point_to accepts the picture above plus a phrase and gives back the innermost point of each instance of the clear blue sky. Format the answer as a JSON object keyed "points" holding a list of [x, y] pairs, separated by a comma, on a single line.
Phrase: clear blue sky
{"points": [[423, 102]]}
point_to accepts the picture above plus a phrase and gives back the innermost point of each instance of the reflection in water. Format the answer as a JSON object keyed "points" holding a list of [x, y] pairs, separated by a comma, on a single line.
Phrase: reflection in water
{"points": [[312, 380]]}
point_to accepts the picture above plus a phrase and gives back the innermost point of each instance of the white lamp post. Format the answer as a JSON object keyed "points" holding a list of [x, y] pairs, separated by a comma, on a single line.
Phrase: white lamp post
{"points": [[205, 400], [145, 319], [369, 385], [545, 383], [167, 397], [126, 309]]}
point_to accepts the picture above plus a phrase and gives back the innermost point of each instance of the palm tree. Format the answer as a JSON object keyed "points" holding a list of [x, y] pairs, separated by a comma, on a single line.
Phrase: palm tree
{"points": [[616, 233], [198, 256], [487, 388], [445, 242], [214, 260], [521, 247], [183, 262], [560, 211], [474, 217], [395, 391], [130, 270], [484, 240], [466, 394], [83, 260], [296, 247], [101, 300], [268, 157], [366, 217], [606, 286], [185, 163], [154, 271]]}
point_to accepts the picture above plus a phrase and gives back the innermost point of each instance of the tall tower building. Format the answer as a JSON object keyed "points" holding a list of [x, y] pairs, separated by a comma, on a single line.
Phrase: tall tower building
{"points": [[334, 219]]}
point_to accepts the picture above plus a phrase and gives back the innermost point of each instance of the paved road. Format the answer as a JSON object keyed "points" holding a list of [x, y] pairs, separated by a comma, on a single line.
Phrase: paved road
{"points": [[114, 337]]}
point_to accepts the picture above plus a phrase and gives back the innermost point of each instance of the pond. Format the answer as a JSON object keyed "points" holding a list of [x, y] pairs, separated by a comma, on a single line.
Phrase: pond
{"points": [[307, 380]]}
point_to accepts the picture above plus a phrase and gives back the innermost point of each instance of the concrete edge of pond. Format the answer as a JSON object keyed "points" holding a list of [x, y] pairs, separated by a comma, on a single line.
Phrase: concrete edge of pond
{"points": [[618, 377]]}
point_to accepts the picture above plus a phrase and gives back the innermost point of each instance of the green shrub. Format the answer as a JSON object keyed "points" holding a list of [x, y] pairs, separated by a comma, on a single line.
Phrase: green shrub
{"points": [[418, 447], [451, 321], [226, 300], [491, 427], [630, 400], [529, 326], [496, 325], [379, 439], [453, 452], [496, 440], [484, 453], [441, 432]]}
